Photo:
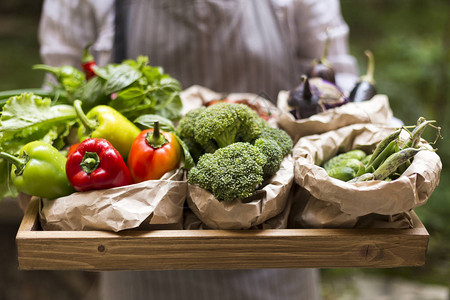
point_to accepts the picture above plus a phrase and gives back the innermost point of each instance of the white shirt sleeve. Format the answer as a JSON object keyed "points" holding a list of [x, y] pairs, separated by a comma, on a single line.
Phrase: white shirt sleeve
{"points": [[67, 26]]}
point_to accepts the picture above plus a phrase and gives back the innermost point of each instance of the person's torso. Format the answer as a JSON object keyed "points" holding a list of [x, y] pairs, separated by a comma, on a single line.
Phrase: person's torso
{"points": [[226, 45]]}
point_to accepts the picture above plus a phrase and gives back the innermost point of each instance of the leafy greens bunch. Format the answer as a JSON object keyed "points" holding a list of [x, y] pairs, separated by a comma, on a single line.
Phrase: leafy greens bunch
{"points": [[132, 87], [235, 149]]}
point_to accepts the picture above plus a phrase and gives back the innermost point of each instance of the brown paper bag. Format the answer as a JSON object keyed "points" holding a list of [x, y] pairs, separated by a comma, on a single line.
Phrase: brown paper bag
{"points": [[375, 110], [265, 204], [280, 221], [152, 204], [196, 95], [329, 202]]}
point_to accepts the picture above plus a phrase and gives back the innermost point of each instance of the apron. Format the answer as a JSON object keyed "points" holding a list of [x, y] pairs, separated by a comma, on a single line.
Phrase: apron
{"points": [[225, 45]]}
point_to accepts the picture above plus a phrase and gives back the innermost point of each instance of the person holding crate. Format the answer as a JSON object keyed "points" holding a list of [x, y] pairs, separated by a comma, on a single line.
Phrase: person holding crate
{"points": [[227, 46]]}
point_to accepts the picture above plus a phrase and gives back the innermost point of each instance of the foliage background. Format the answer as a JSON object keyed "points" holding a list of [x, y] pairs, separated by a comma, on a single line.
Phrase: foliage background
{"points": [[410, 40]]}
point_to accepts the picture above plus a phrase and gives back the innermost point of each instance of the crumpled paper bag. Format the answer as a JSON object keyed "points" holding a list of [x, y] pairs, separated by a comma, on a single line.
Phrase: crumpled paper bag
{"points": [[375, 110], [280, 221], [265, 204], [152, 204], [195, 96], [329, 202]]}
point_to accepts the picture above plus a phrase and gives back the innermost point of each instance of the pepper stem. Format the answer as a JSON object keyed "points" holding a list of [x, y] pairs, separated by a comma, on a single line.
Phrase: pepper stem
{"points": [[90, 162], [18, 162], [88, 124], [370, 68], [87, 56], [156, 139]]}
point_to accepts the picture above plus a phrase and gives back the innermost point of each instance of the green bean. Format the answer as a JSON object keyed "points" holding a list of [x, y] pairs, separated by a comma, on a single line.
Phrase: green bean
{"points": [[393, 162], [383, 144]]}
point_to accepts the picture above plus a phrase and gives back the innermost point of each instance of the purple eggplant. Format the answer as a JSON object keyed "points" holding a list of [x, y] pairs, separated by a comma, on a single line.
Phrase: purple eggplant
{"points": [[321, 67], [365, 88], [314, 95]]}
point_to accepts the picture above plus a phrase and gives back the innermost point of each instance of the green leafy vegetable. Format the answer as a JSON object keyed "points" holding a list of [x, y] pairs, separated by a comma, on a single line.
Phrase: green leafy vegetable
{"points": [[28, 117]]}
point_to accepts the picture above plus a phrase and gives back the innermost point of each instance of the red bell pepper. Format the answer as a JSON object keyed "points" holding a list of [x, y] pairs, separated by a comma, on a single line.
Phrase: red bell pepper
{"points": [[88, 63], [96, 164], [152, 154]]}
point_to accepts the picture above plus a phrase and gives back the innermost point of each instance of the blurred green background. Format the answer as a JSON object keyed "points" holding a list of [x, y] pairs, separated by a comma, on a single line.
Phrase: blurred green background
{"points": [[410, 40]]}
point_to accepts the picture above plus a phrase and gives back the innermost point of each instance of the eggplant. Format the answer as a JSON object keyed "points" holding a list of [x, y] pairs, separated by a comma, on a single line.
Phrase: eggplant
{"points": [[365, 88], [321, 67], [314, 95]]}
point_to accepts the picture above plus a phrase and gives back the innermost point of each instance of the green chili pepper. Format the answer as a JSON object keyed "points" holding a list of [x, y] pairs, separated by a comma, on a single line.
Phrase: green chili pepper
{"points": [[107, 123], [39, 171]]}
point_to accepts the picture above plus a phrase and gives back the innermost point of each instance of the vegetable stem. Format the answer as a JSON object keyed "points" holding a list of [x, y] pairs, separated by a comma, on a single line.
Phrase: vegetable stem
{"points": [[18, 162], [82, 116], [369, 77]]}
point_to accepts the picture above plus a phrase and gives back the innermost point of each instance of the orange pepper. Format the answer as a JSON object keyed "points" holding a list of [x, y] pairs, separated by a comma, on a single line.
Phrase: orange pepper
{"points": [[152, 154]]}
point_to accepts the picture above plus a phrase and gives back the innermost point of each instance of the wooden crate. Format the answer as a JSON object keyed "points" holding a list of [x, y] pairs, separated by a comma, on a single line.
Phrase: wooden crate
{"points": [[217, 249]]}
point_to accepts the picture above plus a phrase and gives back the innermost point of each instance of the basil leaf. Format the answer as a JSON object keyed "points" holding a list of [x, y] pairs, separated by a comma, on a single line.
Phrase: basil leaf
{"points": [[121, 77], [127, 98], [147, 121], [188, 160]]}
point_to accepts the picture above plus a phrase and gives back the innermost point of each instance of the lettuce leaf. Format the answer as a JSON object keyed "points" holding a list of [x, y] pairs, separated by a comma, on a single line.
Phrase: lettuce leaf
{"points": [[28, 117]]}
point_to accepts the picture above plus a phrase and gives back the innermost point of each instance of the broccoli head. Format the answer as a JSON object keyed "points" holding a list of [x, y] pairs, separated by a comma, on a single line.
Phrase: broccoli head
{"points": [[273, 153], [231, 172], [220, 125], [279, 136]]}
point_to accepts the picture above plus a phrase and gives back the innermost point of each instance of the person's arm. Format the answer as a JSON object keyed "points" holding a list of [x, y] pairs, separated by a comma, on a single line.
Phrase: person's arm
{"points": [[68, 26], [307, 23]]}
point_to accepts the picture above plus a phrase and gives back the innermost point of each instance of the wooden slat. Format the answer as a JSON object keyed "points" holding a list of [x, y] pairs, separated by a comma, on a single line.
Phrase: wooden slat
{"points": [[218, 249]]}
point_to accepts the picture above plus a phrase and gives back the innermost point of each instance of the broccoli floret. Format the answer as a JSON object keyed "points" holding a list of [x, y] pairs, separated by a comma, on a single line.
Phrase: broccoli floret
{"points": [[280, 136], [251, 124], [186, 131], [218, 123], [231, 172], [273, 153]]}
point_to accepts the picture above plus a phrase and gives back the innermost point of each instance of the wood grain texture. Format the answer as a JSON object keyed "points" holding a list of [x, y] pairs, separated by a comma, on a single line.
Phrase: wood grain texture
{"points": [[217, 249]]}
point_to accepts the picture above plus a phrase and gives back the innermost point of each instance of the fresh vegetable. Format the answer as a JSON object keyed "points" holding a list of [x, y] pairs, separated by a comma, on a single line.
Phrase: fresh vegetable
{"points": [[70, 79], [153, 153], [321, 67], [132, 87], [105, 122], [273, 153], [394, 161], [342, 172], [279, 136], [314, 95], [148, 121], [28, 117], [95, 165], [88, 63], [390, 159], [365, 89], [208, 129], [234, 171], [39, 171]]}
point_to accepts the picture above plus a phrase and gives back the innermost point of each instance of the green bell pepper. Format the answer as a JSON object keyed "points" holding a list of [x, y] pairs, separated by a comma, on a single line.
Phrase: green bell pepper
{"points": [[107, 123], [40, 170]]}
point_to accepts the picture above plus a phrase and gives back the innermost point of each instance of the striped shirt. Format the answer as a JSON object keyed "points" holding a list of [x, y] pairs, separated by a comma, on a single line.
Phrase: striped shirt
{"points": [[258, 46]]}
